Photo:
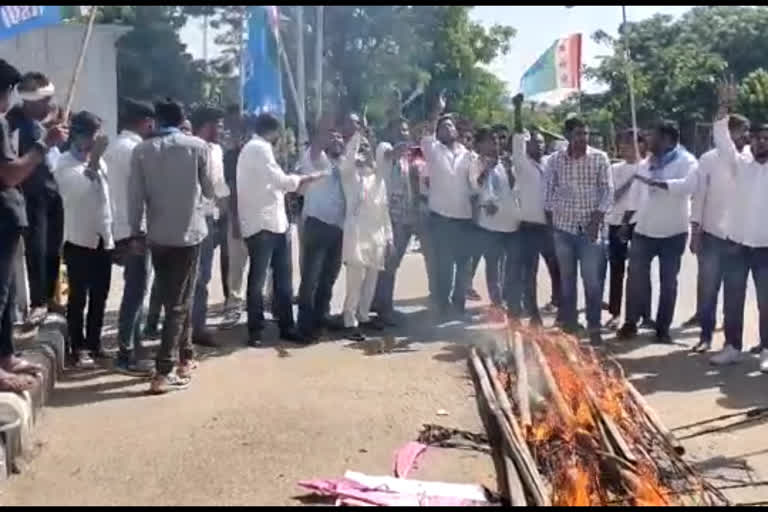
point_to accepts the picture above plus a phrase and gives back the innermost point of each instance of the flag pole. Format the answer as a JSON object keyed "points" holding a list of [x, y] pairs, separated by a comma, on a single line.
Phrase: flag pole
{"points": [[319, 27], [300, 75], [241, 46], [628, 71], [80, 62]]}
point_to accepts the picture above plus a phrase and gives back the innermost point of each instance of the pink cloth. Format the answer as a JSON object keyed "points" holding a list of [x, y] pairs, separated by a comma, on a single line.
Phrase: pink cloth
{"points": [[405, 458], [353, 493]]}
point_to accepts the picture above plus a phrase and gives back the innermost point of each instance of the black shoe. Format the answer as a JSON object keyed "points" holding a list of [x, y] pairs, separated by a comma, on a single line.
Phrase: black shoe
{"points": [[596, 339], [294, 336], [150, 333], [473, 296], [254, 339], [756, 350], [575, 330], [648, 324], [333, 323], [663, 338], [627, 332], [691, 322], [702, 346], [355, 334]]}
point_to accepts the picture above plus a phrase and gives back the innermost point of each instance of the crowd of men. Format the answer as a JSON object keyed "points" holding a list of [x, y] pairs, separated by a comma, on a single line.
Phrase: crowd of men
{"points": [[171, 189]]}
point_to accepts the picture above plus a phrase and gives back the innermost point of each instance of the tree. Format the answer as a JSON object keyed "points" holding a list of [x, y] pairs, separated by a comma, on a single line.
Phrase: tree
{"points": [[151, 60], [753, 95]]}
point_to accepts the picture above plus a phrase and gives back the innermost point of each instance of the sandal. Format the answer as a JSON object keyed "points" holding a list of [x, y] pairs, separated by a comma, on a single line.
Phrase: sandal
{"points": [[16, 383], [355, 335], [162, 384], [14, 364]]}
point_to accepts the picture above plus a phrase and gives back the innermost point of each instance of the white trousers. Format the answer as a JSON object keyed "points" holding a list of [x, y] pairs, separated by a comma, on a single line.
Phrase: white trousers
{"points": [[361, 286], [238, 259]]}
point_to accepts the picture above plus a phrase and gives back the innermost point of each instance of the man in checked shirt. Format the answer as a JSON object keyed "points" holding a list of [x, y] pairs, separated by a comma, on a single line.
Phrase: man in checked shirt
{"points": [[578, 194]]}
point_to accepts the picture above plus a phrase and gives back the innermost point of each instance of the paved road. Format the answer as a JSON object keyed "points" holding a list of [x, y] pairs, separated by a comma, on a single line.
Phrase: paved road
{"points": [[257, 420]]}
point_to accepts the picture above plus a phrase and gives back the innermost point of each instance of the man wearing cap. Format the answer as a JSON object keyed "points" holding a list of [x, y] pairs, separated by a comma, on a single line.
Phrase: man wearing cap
{"points": [[43, 237], [137, 124]]}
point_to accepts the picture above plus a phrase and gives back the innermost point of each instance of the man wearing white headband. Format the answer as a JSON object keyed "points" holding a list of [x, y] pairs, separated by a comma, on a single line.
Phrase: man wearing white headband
{"points": [[43, 238]]}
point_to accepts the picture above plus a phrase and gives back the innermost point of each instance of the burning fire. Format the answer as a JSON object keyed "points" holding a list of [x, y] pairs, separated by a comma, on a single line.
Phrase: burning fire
{"points": [[566, 436]]}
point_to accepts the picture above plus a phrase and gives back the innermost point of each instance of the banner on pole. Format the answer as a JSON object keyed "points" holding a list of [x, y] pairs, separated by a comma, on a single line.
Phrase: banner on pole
{"points": [[262, 84], [15, 19], [559, 68]]}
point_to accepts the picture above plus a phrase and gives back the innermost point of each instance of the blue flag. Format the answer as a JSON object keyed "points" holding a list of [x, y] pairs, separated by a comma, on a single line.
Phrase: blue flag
{"points": [[262, 88], [15, 19]]}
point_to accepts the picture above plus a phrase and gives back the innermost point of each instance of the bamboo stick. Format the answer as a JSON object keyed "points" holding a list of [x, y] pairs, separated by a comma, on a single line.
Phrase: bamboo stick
{"points": [[522, 388], [526, 464], [554, 391], [654, 419], [513, 481], [80, 62]]}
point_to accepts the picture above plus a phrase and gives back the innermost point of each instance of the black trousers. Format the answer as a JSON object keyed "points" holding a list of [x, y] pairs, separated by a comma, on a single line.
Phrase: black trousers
{"points": [[267, 249], [321, 264], [9, 243], [618, 250], [175, 273], [42, 245], [89, 272], [537, 239]]}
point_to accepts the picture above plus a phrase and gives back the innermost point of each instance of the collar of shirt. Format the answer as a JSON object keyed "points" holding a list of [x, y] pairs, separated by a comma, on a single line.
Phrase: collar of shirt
{"points": [[166, 130], [130, 134], [659, 163]]}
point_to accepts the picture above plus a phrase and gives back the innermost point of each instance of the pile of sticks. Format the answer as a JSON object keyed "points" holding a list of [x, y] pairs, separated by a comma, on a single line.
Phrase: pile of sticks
{"points": [[567, 428]]}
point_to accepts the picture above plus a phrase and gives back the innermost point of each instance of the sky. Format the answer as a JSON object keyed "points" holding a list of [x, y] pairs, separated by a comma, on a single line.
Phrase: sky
{"points": [[537, 28]]}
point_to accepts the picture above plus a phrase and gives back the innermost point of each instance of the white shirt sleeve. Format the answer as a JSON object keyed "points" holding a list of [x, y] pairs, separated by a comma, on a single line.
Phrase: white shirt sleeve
{"points": [[216, 158], [687, 185], [256, 156], [700, 195], [725, 145]]}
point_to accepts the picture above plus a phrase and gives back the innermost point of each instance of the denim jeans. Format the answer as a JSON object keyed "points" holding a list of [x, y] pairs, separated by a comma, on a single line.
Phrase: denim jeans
{"points": [[200, 302], [137, 273], [452, 251], [267, 249], [321, 264], [576, 252], [642, 251], [385, 285], [535, 240], [712, 261], [9, 241], [502, 267], [739, 261]]}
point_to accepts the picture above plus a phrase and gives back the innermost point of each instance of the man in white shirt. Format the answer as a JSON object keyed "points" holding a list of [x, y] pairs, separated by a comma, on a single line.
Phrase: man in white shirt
{"points": [[747, 229], [498, 220], [261, 188], [709, 229], [536, 236], [619, 238], [448, 163], [661, 205], [82, 179], [139, 123], [206, 123]]}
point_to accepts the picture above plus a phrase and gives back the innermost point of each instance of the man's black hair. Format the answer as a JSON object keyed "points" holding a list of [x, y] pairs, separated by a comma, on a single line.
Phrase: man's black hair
{"points": [[483, 133], [232, 109], [169, 113], [265, 123], [668, 129], [33, 81], [444, 118], [628, 135], [500, 127], [85, 123], [205, 114], [9, 76], [572, 123], [135, 111], [736, 121]]}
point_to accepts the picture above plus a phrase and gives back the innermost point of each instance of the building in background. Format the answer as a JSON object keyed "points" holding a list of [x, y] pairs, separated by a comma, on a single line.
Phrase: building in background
{"points": [[54, 51]]}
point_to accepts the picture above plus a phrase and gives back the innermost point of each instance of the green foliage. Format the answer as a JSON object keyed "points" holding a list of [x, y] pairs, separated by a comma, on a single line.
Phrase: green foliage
{"points": [[676, 64], [753, 95], [151, 60]]}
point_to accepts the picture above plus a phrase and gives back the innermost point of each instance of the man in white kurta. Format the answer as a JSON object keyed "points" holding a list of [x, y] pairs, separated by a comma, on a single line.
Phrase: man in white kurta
{"points": [[367, 230]]}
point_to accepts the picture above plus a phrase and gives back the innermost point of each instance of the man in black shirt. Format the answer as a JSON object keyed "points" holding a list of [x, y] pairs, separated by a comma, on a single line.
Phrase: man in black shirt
{"points": [[45, 213], [16, 374]]}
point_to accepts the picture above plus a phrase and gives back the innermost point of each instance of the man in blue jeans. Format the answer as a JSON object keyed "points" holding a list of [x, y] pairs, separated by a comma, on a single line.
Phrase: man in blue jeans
{"points": [[709, 229], [138, 124], [206, 123], [661, 230], [578, 194]]}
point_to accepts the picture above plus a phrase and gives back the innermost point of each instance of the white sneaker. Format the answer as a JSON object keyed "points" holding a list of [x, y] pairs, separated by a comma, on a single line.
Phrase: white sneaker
{"points": [[764, 361], [728, 355]]}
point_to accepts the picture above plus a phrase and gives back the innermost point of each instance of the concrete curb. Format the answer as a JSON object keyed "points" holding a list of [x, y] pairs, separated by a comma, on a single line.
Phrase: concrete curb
{"points": [[19, 412]]}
